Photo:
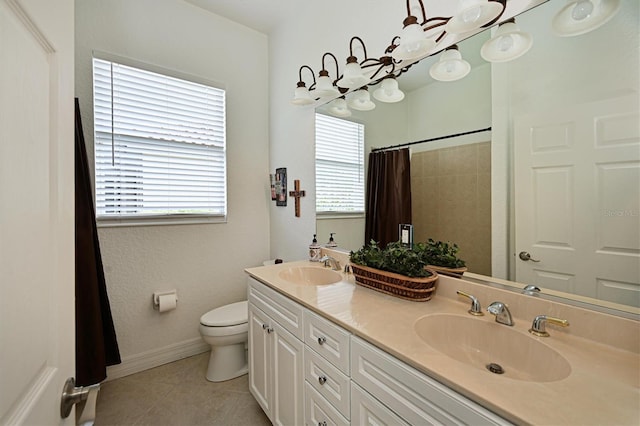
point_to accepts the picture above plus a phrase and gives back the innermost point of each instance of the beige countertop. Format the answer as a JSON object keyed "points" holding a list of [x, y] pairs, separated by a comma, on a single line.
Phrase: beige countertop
{"points": [[603, 387]]}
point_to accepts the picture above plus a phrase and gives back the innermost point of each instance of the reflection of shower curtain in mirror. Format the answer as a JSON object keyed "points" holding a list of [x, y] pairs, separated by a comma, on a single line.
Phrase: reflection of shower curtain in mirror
{"points": [[388, 195], [96, 344]]}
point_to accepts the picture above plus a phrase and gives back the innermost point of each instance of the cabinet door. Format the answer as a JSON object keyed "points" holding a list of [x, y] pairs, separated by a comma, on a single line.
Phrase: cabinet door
{"points": [[288, 379], [260, 358]]}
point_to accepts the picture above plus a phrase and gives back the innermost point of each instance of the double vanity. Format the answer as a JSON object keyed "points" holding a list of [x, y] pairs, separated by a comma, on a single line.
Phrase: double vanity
{"points": [[323, 351]]}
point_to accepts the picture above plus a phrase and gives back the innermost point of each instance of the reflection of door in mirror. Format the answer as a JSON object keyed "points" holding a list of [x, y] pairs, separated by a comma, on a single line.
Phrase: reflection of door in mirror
{"points": [[577, 177]]}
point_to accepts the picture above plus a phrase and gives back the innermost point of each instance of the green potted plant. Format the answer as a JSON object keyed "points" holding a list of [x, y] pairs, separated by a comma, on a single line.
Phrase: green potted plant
{"points": [[442, 257], [397, 269]]}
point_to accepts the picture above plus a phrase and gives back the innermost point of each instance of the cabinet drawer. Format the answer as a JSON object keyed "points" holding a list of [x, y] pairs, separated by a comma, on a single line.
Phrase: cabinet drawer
{"points": [[328, 381], [284, 311], [318, 411], [366, 410], [412, 395], [327, 339]]}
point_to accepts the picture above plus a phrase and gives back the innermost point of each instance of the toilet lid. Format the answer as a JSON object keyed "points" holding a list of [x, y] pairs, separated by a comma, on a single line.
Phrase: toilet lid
{"points": [[233, 314]]}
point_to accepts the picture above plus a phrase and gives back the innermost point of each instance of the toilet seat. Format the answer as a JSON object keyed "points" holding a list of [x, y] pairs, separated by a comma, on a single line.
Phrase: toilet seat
{"points": [[229, 315]]}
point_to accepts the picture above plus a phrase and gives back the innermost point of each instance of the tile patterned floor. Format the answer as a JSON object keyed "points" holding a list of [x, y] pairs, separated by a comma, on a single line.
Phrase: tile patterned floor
{"points": [[178, 394]]}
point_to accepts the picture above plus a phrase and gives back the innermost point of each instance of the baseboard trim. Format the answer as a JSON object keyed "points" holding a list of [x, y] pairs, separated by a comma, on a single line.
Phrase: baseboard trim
{"points": [[143, 361]]}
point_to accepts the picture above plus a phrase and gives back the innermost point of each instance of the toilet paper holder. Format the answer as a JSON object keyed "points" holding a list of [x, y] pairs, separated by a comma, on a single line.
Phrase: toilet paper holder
{"points": [[156, 297]]}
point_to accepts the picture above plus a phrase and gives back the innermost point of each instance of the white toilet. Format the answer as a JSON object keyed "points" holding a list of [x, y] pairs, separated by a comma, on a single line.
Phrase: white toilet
{"points": [[226, 330]]}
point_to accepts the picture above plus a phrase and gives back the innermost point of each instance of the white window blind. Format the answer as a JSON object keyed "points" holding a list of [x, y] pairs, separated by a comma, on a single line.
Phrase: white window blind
{"points": [[339, 165], [159, 145]]}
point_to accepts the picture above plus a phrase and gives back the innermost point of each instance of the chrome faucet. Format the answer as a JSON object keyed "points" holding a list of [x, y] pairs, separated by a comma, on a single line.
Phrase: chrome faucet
{"points": [[538, 328], [475, 309], [502, 313], [330, 261], [531, 290]]}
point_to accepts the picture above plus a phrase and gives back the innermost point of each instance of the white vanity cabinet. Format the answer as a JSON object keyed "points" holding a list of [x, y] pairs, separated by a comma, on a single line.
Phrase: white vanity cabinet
{"points": [[276, 355], [304, 368]]}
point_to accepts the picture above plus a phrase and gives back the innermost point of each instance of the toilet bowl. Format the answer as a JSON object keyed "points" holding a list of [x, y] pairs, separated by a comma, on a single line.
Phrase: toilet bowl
{"points": [[226, 330]]}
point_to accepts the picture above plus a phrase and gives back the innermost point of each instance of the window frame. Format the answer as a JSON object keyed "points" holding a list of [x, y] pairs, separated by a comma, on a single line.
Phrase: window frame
{"points": [[161, 219]]}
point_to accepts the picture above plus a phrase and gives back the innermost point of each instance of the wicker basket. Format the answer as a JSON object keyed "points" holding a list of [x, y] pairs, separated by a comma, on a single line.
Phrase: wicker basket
{"points": [[452, 272], [416, 289]]}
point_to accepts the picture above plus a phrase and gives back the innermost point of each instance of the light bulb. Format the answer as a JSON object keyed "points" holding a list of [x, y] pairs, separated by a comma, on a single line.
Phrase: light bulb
{"points": [[505, 43], [470, 16], [582, 10]]}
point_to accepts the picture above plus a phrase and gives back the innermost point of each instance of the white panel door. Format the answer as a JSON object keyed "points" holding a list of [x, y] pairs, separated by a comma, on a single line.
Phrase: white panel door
{"points": [[36, 209], [577, 199]]}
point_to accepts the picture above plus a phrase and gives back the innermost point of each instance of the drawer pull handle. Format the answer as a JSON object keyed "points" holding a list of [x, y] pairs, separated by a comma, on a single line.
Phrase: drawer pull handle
{"points": [[322, 380], [321, 340], [322, 423], [269, 330], [264, 326]]}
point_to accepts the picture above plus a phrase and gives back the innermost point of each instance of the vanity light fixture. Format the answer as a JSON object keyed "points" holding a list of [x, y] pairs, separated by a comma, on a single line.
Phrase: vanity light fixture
{"points": [[507, 44], [388, 91], [581, 16], [361, 100], [473, 14], [413, 39], [451, 66], [301, 94], [325, 87], [338, 107]]}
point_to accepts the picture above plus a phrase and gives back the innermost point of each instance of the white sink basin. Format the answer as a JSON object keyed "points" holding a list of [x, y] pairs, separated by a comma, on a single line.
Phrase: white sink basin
{"points": [[478, 342], [310, 275]]}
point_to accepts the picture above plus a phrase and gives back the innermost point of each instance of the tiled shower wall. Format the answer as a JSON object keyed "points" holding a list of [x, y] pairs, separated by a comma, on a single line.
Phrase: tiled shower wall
{"points": [[451, 200]]}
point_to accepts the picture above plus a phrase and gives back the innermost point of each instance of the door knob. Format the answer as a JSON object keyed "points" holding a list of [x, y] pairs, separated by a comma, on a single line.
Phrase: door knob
{"points": [[71, 395], [526, 257]]}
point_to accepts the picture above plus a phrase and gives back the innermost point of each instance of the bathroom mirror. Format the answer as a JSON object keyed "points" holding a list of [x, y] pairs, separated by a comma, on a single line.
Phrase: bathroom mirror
{"points": [[557, 74]]}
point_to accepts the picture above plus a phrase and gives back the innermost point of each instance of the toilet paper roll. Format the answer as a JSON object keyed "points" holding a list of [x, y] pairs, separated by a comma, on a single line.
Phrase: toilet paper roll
{"points": [[167, 302]]}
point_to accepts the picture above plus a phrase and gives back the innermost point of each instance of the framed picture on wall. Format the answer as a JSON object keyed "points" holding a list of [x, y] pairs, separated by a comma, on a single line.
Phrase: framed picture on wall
{"points": [[281, 186]]}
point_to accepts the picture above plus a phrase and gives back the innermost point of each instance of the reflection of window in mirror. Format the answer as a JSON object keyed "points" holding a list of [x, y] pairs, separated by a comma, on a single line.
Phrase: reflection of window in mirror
{"points": [[339, 166]]}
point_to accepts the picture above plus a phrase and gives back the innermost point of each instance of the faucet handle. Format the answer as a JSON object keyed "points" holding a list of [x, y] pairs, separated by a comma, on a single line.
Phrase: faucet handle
{"points": [[538, 327], [476, 309]]}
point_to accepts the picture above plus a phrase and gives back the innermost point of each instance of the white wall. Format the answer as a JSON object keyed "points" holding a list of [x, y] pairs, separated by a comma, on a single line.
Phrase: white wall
{"points": [[203, 262], [324, 28]]}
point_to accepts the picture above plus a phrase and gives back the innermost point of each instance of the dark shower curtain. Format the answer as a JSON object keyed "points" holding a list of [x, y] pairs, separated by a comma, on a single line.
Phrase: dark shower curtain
{"points": [[96, 344], [388, 195]]}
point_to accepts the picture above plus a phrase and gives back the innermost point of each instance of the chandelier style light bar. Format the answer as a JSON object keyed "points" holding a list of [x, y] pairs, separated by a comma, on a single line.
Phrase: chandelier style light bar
{"points": [[419, 38]]}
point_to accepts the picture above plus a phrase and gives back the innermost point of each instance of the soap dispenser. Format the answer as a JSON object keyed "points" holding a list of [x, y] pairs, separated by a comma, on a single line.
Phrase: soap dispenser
{"points": [[314, 250], [331, 242]]}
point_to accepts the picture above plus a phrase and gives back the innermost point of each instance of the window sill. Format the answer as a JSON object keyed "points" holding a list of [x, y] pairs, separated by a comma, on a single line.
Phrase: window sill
{"points": [[158, 221], [329, 216]]}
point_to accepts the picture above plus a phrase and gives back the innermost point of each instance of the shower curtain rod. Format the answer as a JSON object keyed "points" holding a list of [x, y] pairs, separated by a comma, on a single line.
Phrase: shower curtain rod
{"points": [[431, 140]]}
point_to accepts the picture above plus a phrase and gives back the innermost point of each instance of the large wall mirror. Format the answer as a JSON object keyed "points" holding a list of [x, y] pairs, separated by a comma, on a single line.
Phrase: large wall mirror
{"points": [[558, 176]]}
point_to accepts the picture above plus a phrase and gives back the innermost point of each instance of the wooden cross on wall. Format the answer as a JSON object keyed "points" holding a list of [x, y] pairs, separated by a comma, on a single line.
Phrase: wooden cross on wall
{"points": [[297, 194]]}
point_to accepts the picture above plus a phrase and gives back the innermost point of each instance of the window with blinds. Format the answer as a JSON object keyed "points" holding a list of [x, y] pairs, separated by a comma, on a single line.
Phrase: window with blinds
{"points": [[339, 166], [159, 145]]}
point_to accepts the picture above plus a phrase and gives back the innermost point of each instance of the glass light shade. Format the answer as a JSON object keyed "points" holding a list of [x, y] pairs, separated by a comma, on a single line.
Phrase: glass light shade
{"points": [[338, 107], [413, 43], [507, 44], [361, 100], [352, 76], [473, 14], [388, 91], [301, 96], [325, 87], [581, 16], [450, 67]]}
